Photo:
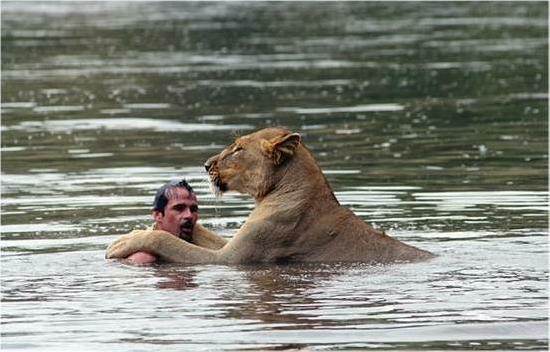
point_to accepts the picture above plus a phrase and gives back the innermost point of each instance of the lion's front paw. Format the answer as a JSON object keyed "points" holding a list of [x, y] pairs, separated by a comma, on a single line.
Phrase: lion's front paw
{"points": [[116, 249], [128, 244]]}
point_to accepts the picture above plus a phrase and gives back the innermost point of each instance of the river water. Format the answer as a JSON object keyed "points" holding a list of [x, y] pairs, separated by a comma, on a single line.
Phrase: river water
{"points": [[428, 118]]}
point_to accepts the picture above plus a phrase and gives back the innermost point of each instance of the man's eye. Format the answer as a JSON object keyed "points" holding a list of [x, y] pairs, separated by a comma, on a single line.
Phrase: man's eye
{"points": [[194, 208]]}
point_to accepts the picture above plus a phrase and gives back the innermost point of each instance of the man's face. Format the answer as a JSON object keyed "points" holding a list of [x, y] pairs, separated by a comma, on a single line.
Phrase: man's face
{"points": [[180, 215]]}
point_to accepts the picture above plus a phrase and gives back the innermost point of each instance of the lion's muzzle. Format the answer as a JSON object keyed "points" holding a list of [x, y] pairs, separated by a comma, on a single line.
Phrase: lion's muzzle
{"points": [[211, 167], [208, 164]]}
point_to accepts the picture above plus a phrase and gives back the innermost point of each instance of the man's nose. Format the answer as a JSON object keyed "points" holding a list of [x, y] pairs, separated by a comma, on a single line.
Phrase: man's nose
{"points": [[187, 214]]}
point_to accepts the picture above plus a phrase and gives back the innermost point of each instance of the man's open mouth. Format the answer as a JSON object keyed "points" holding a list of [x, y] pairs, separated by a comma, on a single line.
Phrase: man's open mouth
{"points": [[186, 230], [187, 226]]}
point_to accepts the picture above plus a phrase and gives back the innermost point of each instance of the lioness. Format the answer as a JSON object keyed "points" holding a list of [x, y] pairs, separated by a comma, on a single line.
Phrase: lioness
{"points": [[296, 218]]}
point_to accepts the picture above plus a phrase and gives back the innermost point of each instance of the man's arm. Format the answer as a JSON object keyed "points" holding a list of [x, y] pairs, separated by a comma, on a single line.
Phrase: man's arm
{"points": [[141, 258]]}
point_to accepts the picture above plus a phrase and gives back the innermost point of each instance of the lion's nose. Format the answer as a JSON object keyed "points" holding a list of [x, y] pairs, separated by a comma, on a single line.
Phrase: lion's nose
{"points": [[210, 162]]}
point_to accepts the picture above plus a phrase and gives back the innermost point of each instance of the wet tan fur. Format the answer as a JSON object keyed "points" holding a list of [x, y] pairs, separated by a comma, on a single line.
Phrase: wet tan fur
{"points": [[296, 218]]}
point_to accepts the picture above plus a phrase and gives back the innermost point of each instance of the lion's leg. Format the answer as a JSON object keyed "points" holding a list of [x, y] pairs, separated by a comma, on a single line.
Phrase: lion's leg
{"points": [[174, 250], [205, 238], [163, 245], [253, 243]]}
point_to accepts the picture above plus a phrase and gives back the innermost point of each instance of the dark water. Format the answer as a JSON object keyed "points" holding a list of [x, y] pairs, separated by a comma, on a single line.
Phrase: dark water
{"points": [[429, 119]]}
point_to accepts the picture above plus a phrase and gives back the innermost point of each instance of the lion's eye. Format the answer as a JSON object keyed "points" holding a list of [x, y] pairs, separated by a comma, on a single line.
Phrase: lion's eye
{"points": [[237, 150]]}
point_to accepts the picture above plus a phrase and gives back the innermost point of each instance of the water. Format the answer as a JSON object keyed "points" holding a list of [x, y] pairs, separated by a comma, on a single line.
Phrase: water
{"points": [[429, 120]]}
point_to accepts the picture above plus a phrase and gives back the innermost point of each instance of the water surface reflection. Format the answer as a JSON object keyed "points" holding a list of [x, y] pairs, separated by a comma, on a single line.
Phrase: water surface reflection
{"points": [[428, 119]]}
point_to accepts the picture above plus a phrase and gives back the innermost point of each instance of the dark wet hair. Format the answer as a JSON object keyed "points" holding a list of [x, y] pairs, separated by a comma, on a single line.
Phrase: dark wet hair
{"points": [[163, 194]]}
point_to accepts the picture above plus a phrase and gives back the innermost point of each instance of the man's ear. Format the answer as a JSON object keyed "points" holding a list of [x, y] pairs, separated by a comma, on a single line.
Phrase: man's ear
{"points": [[157, 215], [281, 148]]}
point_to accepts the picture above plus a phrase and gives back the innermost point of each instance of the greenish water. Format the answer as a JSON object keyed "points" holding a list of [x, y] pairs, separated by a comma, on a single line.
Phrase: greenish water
{"points": [[430, 120]]}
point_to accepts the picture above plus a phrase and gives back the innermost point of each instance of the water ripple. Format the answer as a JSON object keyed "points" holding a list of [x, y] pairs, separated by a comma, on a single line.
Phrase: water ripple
{"points": [[157, 125]]}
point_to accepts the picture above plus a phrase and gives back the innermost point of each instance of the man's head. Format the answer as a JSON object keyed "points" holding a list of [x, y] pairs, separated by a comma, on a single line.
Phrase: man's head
{"points": [[175, 209]]}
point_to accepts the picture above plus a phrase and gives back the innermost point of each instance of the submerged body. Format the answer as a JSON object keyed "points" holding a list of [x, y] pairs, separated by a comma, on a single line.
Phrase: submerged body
{"points": [[296, 218]]}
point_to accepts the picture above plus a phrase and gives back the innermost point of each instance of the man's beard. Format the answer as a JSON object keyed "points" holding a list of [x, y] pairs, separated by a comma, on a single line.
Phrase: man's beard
{"points": [[186, 231]]}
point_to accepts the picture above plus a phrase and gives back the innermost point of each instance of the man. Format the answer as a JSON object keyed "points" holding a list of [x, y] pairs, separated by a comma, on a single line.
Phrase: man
{"points": [[175, 210]]}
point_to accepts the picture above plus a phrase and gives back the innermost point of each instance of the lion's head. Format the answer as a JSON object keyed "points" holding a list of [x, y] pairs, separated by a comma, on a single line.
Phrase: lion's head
{"points": [[253, 163]]}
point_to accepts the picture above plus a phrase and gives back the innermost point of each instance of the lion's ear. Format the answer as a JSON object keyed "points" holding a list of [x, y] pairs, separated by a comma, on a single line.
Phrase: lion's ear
{"points": [[281, 148]]}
